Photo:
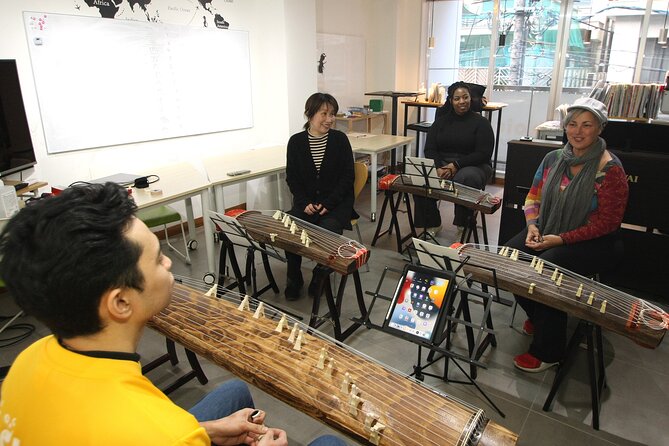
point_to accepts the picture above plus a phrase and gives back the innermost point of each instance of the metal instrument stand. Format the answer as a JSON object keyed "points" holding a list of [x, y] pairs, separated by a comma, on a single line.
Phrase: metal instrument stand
{"points": [[334, 306], [596, 370], [424, 176], [394, 222]]}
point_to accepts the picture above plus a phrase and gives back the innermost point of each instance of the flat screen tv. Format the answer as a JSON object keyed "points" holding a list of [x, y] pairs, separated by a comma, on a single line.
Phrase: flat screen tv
{"points": [[16, 147]]}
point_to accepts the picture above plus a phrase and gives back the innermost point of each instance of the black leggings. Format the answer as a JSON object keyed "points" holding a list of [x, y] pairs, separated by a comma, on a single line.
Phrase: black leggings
{"points": [[585, 258]]}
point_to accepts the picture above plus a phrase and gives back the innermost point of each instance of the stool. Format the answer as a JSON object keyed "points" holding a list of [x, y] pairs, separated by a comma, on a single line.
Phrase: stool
{"points": [[171, 355], [163, 215]]}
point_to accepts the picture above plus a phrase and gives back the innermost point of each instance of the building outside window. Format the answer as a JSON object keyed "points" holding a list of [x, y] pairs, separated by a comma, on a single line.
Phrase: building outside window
{"points": [[544, 52]]}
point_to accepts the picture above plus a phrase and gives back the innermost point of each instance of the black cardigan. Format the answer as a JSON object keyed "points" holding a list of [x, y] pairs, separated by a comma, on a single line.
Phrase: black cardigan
{"points": [[333, 186]]}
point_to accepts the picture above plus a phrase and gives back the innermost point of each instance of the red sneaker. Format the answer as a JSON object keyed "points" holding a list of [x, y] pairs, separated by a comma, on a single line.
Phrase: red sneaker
{"points": [[529, 363], [528, 327]]}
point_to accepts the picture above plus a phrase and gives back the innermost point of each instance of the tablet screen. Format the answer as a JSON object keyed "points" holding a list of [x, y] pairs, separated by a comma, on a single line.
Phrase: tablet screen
{"points": [[417, 306]]}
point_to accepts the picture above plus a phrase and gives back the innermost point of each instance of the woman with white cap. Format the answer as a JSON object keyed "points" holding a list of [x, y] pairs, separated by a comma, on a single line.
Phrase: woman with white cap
{"points": [[574, 207]]}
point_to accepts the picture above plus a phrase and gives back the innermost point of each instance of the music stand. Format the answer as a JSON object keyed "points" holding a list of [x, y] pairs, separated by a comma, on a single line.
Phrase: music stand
{"points": [[231, 233], [435, 345], [441, 257], [422, 172]]}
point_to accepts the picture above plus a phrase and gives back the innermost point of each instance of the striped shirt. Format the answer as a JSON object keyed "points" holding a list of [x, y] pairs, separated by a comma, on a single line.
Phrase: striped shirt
{"points": [[317, 145]]}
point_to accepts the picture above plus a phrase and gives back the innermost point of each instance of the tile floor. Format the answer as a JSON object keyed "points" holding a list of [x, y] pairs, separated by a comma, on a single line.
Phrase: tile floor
{"points": [[633, 406]]}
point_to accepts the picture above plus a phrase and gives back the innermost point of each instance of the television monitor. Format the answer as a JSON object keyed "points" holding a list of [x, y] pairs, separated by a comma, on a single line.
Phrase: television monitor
{"points": [[16, 147], [419, 306]]}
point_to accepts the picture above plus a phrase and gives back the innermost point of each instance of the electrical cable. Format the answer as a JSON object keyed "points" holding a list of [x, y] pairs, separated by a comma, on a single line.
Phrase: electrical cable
{"points": [[25, 331]]}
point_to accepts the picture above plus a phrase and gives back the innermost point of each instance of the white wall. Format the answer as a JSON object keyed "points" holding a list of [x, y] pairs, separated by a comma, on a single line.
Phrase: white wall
{"points": [[301, 58], [283, 45], [280, 82], [392, 32]]}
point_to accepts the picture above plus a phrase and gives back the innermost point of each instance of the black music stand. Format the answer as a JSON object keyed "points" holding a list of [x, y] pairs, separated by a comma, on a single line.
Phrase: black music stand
{"points": [[231, 233], [422, 172], [440, 257], [447, 351]]}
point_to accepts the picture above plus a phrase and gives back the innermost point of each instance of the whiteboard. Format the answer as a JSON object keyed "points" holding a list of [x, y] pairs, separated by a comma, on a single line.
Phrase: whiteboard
{"points": [[103, 82]]}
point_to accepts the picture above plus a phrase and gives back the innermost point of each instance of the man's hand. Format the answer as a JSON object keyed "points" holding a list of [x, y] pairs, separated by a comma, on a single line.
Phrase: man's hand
{"points": [[237, 429], [273, 437]]}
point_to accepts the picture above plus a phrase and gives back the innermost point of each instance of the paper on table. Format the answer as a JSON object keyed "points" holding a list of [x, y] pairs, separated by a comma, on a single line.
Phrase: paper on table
{"points": [[361, 135]]}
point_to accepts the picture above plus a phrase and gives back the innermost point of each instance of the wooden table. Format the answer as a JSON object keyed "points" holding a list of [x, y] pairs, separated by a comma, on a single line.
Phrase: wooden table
{"points": [[260, 163], [373, 145], [368, 118], [180, 182], [420, 126]]}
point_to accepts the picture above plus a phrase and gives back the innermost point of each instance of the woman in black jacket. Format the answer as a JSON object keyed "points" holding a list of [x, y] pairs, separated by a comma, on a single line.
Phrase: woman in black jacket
{"points": [[319, 173], [460, 142]]}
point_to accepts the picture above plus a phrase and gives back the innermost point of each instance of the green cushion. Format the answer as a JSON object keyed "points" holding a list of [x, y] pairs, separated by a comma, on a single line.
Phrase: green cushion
{"points": [[158, 215]]}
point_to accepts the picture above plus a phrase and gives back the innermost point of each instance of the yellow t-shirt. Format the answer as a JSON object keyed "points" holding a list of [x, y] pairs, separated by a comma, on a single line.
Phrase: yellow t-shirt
{"points": [[53, 396]]}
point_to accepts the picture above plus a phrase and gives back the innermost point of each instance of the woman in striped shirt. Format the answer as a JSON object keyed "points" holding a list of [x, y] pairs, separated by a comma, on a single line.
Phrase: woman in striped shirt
{"points": [[319, 173]]}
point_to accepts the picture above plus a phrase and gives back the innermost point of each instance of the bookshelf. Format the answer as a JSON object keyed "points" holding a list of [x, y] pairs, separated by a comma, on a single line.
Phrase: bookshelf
{"points": [[634, 102]]}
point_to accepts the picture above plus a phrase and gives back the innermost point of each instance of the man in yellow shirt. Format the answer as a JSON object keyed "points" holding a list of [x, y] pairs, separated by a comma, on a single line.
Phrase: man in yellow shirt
{"points": [[94, 274]]}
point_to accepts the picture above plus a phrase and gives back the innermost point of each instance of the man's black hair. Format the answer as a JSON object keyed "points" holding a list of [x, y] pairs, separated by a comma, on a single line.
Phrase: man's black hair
{"points": [[61, 254]]}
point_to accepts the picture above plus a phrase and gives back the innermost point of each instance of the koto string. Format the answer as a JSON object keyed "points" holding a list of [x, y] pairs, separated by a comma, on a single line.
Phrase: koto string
{"points": [[235, 298], [500, 264], [460, 193], [303, 384], [263, 222], [361, 368], [289, 358]]}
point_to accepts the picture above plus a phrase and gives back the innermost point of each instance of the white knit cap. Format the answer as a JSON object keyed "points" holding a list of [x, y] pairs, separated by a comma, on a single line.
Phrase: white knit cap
{"points": [[593, 106]]}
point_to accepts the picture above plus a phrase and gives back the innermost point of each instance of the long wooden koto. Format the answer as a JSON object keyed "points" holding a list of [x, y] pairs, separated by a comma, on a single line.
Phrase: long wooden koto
{"points": [[460, 194], [578, 296], [284, 231], [320, 377]]}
